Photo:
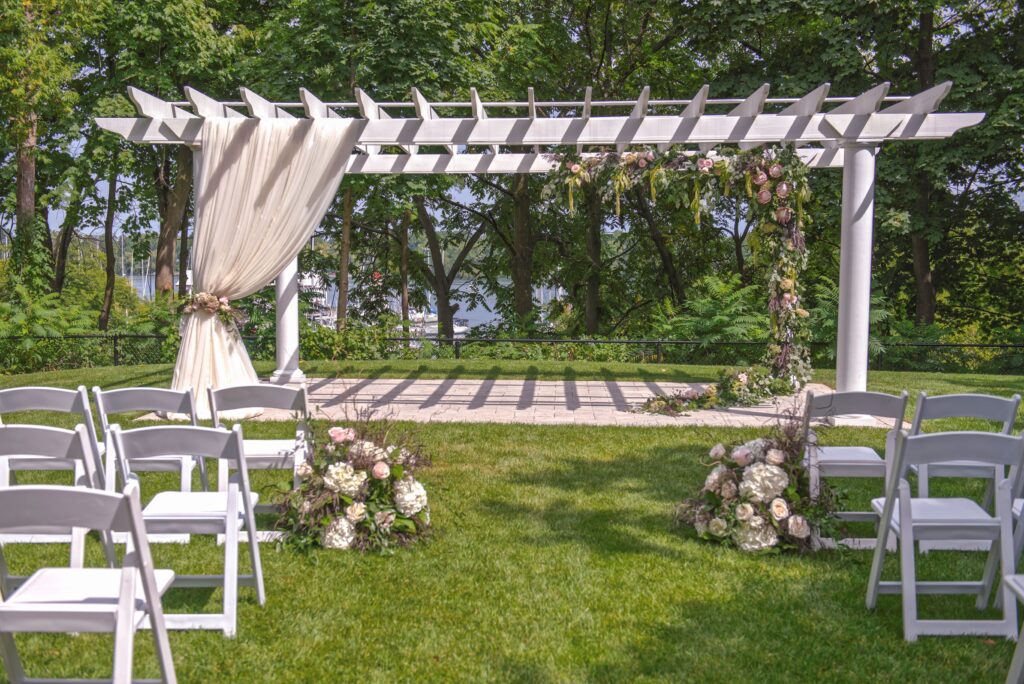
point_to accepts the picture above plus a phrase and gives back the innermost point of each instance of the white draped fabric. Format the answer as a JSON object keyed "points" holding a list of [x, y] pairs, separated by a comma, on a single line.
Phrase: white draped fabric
{"points": [[262, 186]]}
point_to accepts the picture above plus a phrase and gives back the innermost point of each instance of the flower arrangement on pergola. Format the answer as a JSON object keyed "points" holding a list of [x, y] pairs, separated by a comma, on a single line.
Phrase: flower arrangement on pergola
{"points": [[265, 178]]}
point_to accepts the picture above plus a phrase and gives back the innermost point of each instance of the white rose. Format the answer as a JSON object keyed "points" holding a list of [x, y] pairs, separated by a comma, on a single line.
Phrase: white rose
{"points": [[744, 512], [715, 478], [758, 447], [717, 451], [356, 513], [775, 457], [798, 527], [779, 509], [718, 527], [339, 534], [303, 470], [410, 497]]}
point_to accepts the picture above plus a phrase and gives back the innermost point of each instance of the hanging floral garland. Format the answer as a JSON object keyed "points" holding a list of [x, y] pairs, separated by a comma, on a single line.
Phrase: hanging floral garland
{"points": [[774, 181]]}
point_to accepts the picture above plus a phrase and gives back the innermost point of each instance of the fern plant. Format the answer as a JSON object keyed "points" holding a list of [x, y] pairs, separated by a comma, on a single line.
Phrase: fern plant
{"points": [[826, 319], [717, 311]]}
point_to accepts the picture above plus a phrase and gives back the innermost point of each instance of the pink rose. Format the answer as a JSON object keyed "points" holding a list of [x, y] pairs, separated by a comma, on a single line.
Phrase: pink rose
{"points": [[775, 170], [760, 178], [783, 214], [742, 377], [339, 435], [575, 168], [705, 164], [642, 163], [786, 297], [381, 470], [650, 156], [783, 189], [764, 196], [223, 300], [741, 456]]}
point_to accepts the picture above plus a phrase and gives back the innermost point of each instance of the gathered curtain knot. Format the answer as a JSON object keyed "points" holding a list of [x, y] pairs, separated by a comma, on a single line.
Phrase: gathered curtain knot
{"points": [[211, 304]]}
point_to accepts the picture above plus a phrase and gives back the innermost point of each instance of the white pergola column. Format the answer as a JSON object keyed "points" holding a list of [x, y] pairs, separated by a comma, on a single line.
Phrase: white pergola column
{"points": [[287, 309], [855, 266]]}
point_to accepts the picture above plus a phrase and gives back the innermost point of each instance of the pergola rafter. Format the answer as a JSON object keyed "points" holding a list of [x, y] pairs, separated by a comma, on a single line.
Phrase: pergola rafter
{"points": [[828, 132]]}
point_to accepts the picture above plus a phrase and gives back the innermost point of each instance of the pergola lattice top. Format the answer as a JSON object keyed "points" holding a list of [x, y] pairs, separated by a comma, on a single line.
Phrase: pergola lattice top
{"points": [[490, 140]]}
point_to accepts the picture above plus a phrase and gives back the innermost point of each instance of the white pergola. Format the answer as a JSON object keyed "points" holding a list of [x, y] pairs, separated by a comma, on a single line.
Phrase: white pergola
{"points": [[518, 136]]}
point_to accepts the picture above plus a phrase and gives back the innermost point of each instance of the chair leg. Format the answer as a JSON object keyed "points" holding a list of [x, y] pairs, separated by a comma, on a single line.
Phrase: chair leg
{"points": [[163, 648], [124, 629], [12, 661], [877, 561], [990, 572], [908, 580], [231, 576], [204, 479], [1016, 673]]}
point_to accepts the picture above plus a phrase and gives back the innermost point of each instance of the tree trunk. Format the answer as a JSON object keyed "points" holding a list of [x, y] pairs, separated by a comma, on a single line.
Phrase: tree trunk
{"points": [[343, 258], [522, 248], [924, 286], [108, 248], [403, 267], [183, 258], [668, 263], [442, 291], [67, 232], [925, 303], [25, 185], [172, 201], [592, 303]]}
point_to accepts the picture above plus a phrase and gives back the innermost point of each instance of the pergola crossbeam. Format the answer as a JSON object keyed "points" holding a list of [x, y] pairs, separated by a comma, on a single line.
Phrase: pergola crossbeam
{"points": [[426, 112], [209, 108], [746, 110], [479, 113]]}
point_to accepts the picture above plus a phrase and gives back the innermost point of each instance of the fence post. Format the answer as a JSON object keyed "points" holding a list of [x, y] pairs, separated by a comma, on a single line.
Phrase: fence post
{"points": [[117, 356], [458, 348]]}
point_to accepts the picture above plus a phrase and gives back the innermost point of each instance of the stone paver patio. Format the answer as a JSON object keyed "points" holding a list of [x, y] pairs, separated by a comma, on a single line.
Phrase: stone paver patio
{"points": [[544, 402]]}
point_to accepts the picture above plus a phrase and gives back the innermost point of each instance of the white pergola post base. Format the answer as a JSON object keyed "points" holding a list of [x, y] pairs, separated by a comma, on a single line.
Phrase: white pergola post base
{"points": [[855, 266], [287, 291]]}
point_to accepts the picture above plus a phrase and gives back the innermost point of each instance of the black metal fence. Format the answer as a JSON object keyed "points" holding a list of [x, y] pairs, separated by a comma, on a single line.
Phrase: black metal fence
{"points": [[31, 353]]}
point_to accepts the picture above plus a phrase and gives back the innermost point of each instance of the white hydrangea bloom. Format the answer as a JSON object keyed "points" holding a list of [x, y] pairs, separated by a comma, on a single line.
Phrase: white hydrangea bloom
{"points": [[410, 496], [339, 534], [749, 538], [344, 479], [763, 482], [356, 513]]}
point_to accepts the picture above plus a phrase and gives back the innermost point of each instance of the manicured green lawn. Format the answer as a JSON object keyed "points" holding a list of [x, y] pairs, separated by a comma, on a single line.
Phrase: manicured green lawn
{"points": [[554, 560]]}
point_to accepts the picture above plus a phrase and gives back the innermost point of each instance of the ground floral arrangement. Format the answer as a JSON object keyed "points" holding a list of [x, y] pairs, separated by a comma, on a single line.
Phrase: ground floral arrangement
{"points": [[734, 388], [358, 492], [757, 496], [774, 181]]}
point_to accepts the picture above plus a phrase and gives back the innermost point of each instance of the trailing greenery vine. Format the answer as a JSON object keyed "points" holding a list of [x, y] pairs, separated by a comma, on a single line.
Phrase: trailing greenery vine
{"points": [[774, 181]]}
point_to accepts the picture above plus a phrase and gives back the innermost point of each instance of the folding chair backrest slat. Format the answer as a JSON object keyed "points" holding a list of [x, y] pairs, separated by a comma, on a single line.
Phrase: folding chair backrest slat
{"points": [[49, 399], [981, 406], [856, 403], [32, 506], [72, 446], [991, 448], [169, 440], [259, 396], [143, 399]]}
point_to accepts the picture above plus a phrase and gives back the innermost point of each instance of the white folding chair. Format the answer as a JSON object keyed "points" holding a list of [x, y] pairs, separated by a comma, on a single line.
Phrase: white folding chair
{"points": [[49, 448], [914, 519], [267, 454], [212, 513], [850, 461], [980, 406], [152, 399], [75, 600], [45, 399]]}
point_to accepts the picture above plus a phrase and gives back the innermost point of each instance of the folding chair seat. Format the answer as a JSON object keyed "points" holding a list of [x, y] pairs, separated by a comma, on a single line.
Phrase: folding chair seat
{"points": [[75, 600], [267, 454], [217, 513], [50, 448], [152, 399], [74, 402], [850, 461], [914, 519]]}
